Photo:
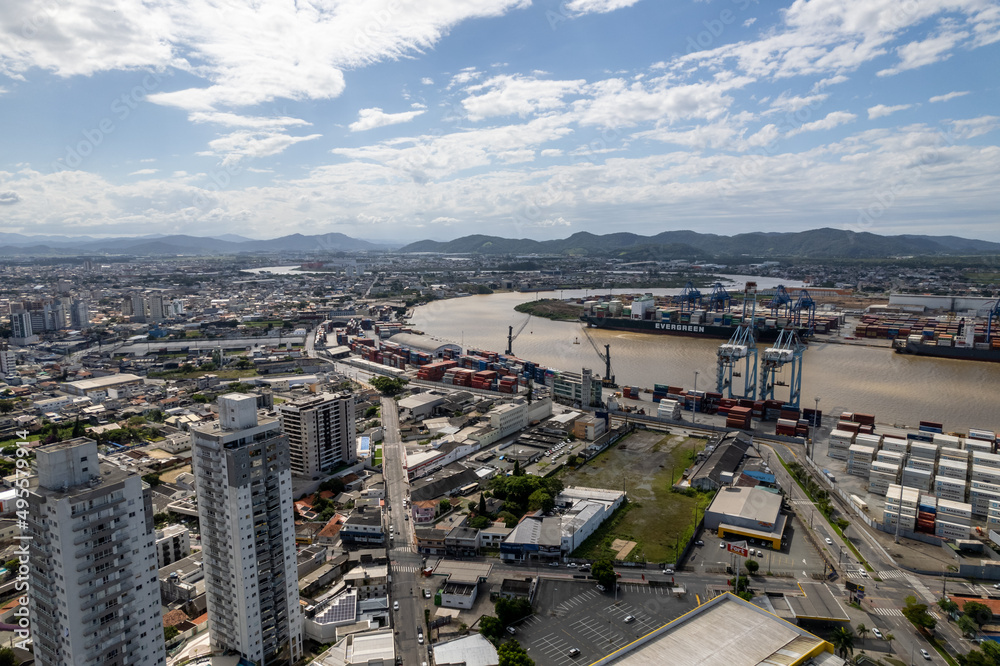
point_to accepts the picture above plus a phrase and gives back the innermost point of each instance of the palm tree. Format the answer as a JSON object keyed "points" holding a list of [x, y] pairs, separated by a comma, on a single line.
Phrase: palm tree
{"points": [[889, 638], [862, 631], [843, 641]]}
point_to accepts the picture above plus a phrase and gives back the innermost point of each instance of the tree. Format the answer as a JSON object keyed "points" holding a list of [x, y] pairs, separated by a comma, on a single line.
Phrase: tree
{"points": [[752, 566], [482, 504], [7, 657], [977, 612], [388, 386], [889, 638], [603, 572], [843, 641], [491, 628], [472, 507], [541, 500], [917, 614], [862, 631], [152, 479], [967, 626], [509, 519], [509, 611], [947, 605], [444, 506], [170, 632], [6, 406], [479, 523], [335, 486], [517, 468], [512, 654], [371, 412], [78, 430], [976, 658], [200, 397]]}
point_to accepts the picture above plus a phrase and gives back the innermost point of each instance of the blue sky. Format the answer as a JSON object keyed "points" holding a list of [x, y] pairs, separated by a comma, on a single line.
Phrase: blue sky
{"points": [[401, 120]]}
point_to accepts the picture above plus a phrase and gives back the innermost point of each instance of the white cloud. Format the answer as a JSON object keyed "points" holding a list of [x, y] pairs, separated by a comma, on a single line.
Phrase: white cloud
{"points": [[427, 81], [786, 103], [252, 122], [551, 152], [506, 95], [829, 122], [597, 6], [973, 127], [376, 117], [881, 110], [144, 172], [464, 76], [245, 144], [948, 96], [749, 22], [445, 221], [919, 54]]}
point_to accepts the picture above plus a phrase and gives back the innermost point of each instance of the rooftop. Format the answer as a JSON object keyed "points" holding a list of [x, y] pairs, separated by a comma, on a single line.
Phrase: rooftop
{"points": [[473, 650]]}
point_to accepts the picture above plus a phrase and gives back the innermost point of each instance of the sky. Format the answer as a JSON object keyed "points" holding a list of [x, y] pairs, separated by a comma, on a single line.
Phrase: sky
{"points": [[399, 120]]}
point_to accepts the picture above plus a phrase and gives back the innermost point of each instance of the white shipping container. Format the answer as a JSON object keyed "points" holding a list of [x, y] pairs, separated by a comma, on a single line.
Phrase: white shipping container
{"points": [[923, 450], [985, 435], [943, 528], [987, 474], [842, 436], [985, 459], [949, 441], [976, 445], [954, 470], [895, 445], [868, 440], [921, 463], [957, 511], [955, 454]]}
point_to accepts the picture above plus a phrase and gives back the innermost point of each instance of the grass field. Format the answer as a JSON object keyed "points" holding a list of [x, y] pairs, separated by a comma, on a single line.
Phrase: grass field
{"points": [[552, 308], [221, 374], [655, 517], [377, 458]]}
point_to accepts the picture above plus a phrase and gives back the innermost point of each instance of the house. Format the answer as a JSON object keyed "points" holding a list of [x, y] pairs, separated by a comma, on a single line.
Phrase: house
{"points": [[424, 511], [493, 536], [363, 529], [462, 542], [430, 541]]}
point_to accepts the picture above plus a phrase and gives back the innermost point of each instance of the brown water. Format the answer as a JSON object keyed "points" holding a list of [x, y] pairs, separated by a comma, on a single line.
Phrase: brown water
{"points": [[898, 389]]}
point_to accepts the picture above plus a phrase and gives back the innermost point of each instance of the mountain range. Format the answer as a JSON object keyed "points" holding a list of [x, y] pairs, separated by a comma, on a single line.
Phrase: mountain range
{"points": [[815, 243], [19, 244], [826, 242]]}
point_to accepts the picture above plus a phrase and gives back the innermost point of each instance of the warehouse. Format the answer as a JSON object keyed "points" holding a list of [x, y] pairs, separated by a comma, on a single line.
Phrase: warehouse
{"points": [[98, 388], [754, 513], [426, 344]]}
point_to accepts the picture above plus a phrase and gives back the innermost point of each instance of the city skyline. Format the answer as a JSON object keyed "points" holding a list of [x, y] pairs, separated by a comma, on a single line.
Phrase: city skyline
{"points": [[521, 119]]}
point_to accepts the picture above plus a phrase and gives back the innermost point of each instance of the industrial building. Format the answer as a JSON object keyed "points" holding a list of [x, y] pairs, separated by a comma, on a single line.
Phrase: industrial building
{"points": [[99, 388], [754, 513], [426, 344], [726, 631], [721, 465]]}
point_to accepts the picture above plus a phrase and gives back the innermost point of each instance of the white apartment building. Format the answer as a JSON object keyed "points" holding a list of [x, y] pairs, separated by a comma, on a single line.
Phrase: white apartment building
{"points": [[321, 433], [8, 360], [173, 543], [94, 598], [244, 487]]}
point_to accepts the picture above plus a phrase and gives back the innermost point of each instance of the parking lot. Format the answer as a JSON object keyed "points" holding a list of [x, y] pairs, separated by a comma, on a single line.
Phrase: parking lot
{"points": [[797, 558], [574, 614]]}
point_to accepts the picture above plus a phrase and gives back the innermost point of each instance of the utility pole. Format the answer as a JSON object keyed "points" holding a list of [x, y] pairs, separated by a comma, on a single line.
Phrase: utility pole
{"points": [[694, 406]]}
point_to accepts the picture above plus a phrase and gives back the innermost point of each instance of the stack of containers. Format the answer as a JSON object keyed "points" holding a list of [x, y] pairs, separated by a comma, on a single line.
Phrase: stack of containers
{"points": [[947, 441], [840, 444], [739, 417], [927, 514], [901, 507], [931, 426], [884, 472], [669, 409], [895, 444], [985, 486], [920, 470], [660, 392], [954, 519], [993, 515], [786, 427], [508, 384], [484, 380], [434, 372], [982, 435], [978, 446], [859, 460], [947, 488]]}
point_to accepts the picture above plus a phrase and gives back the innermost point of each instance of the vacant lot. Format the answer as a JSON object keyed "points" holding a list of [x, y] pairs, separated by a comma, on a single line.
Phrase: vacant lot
{"points": [[657, 519]]}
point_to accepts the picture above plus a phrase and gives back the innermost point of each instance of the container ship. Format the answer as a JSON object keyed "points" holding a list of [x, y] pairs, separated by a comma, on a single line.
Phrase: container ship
{"points": [[946, 346], [644, 315]]}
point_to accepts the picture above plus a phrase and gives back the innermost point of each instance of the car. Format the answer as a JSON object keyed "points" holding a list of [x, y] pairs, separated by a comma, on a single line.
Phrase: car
{"points": [[570, 565], [601, 588], [420, 638], [553, 564], [722, 545], [924, 654], [829, 541], [427, 594], [699, 543], [629, 618], [573, 652], [996, 586], [760, 553], [667, 572], [864, 574], [584, 567], [395, 605], [406, 516], [876, 632], [510, 630]]}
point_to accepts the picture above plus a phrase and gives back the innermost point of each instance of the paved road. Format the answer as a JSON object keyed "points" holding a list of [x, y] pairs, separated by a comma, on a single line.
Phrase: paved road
{"points": [[404, 561]]}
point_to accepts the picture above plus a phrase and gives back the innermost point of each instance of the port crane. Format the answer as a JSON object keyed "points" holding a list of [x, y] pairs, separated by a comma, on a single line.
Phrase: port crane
{"points": [[993, 317], [750, 296], [511, 335], [718, 300], [608, 381], [690, 298], [781, 302], [740, 352], [787, 351], [804, 305]]}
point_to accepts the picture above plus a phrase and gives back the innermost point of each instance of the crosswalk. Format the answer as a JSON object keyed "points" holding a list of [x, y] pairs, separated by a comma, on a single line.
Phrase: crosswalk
{"points": [[403, 549], [896, 612], [405, 568], [882, 575]]}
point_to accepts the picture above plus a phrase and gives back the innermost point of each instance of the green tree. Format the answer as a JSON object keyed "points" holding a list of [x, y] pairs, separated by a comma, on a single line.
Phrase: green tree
{"points": [[6, 406], [843, 641], [517, 468], [388, 386], [479, 523], [371, 412], [917, 614], [967, 626], [471, 506], [335, 486], [977, 612], [541, 500], [752, 566], [170, 632], [444, 506], [509, 611], [491, 628], [603, 572], [512, 654], [509, 519], [482, 504], [977, 658], [7, 657], [152, 479], [78, 430], [200, 397], [947, 605], [889, 638], [862, 632]]}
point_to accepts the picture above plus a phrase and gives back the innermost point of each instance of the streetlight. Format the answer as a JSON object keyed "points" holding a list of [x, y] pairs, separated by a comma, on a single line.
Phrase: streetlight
{"points": [[694, 406]]}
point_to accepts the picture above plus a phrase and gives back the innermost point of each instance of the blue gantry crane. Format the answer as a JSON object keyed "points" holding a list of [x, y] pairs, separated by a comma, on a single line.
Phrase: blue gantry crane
{"points": [[738, 358], [806, 306], [689, 299], [718, 300], [993, 319], [749, 298], [781, 303], [786, 353]]}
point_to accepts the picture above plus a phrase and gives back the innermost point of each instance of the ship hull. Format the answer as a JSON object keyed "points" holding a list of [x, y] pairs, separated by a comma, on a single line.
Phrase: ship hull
{"points": [[961, 353], [669, 328]]}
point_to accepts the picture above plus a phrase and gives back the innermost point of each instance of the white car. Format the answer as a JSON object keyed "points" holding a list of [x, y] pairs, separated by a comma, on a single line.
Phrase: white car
{"points": [[829, 541], [876, 632], [924, 654], [395, 605], [668, 572]]}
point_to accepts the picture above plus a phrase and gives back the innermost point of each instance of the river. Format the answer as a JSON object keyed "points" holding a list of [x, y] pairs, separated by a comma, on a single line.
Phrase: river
{"points": [[898, 389]]}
